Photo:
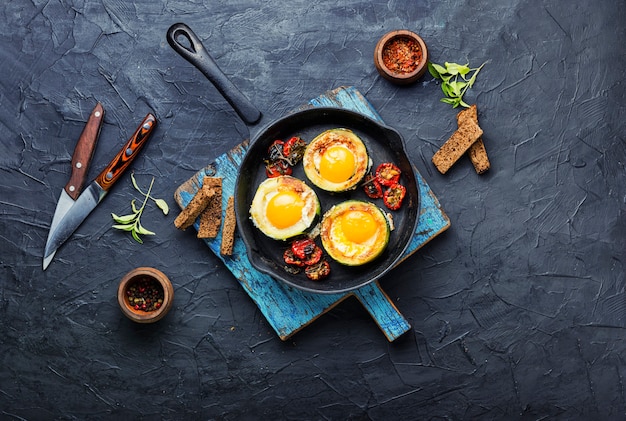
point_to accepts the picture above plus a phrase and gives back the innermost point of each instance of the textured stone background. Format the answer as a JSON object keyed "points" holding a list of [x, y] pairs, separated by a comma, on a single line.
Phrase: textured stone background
{"points": [[518, 310]]}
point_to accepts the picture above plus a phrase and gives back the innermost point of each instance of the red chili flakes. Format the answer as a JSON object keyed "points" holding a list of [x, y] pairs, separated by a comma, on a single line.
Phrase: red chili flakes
{"points": [[402, 55]]}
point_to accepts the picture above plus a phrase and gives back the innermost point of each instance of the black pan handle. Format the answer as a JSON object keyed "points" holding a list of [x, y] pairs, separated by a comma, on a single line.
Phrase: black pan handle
{"points": [[197, 55]]}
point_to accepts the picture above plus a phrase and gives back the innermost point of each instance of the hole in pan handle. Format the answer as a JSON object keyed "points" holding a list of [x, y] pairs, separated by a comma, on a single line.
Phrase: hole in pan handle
{"points": [[185, 42]]}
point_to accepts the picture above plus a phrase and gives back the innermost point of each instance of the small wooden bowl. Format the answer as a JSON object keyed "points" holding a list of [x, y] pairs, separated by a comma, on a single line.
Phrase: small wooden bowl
{"points": [[397, 76], [150, 275]]}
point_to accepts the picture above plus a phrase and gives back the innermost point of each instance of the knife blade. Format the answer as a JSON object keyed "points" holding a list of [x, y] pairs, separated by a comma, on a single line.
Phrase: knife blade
{"points": [[81, 159], [98, 189]]}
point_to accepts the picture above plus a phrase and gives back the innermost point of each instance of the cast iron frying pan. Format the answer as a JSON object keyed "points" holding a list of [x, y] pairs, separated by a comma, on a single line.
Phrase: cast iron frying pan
{"points": [[383, 143]]}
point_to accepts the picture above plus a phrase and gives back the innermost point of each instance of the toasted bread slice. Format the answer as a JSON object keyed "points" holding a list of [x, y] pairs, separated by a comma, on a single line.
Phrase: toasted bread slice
{"points": [[228, 230], [197, 204], [476, 152], [456, 145], [211, 216]]}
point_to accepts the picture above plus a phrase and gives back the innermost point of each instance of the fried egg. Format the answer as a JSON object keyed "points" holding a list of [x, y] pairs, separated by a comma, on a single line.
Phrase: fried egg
{"points": [[354, 232], [336, 160], [284, 207]]}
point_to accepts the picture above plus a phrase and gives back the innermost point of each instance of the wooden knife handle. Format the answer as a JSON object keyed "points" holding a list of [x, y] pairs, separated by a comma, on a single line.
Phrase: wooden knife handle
{"points": [[127, 154], [83, 152]]}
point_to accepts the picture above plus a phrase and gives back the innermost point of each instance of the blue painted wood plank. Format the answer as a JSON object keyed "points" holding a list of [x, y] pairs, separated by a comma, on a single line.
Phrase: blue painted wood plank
{"points": [[288, 309]]}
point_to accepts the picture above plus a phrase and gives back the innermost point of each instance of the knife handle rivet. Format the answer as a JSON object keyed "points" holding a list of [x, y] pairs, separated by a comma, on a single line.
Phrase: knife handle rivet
{"points": [[109, 175], [129, 151], [79, 165], [72, 188], [97, 114]]}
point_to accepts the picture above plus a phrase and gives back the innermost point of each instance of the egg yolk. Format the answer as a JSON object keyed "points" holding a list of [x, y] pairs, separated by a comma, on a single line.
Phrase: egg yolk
{"points": [[358, 226], [337, 164], [284, 209]]}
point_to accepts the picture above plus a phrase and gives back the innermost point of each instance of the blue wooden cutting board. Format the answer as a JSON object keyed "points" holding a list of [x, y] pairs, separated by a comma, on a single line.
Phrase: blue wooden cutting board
{"points": [[288, 309]]}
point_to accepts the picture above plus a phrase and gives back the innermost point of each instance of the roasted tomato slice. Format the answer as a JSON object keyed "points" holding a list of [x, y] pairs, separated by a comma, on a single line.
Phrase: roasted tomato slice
{"points": [[372, 187], [394, 195], [275, 151], [293, 149], [277, 168], [303, 247], [388, 174], [314, 257], [291, 259], [318, 271]]}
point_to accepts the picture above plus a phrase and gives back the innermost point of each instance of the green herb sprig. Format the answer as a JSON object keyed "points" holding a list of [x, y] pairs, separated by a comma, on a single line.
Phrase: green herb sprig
{"points": [[456, 79], [132, 222]]}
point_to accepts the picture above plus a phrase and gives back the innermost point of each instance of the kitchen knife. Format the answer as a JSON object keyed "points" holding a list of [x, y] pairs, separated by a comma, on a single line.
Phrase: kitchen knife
{"points": [[81, 158], [97, 190]]}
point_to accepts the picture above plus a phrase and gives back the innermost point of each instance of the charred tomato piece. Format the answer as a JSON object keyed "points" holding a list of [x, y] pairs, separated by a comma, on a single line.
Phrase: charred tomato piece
{"points": [[303, 247], [291, 259], [394, 195], [306, 249], [314, 257], [388, 174], [372, 187], [275, 151], [318, 271], [293, 149], [277, 168]]}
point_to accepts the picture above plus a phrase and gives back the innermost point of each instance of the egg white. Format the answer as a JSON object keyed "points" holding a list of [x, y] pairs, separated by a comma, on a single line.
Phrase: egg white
{"points": [[270, 188], [313, 157], [346, 251]]}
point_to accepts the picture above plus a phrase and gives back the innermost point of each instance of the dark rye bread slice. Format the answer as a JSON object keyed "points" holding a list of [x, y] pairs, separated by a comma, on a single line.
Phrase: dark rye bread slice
{"points": [[456, 145], [228, 230], [211, 217], [476, 152], [197, 205]]}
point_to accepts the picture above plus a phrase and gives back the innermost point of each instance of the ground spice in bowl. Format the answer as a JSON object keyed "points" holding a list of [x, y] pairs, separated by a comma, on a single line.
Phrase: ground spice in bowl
{"points": [[401, 57]]}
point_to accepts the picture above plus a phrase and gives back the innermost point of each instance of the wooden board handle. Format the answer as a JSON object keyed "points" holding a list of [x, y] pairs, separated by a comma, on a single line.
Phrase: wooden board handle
{"points": [[379, 306], [83, 152], [127, 154]]}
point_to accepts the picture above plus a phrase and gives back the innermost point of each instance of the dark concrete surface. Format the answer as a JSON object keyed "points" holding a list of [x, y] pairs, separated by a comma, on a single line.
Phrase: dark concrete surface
{"points": [[518, 310]]}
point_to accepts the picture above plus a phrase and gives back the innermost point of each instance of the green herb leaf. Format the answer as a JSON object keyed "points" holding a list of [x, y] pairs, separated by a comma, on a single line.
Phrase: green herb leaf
{"points": [[473, 78], [132, 222], [132, 179], [136, 237], [433, 70], [162, 204], [124, 219], [124, 227], [454, 81], [457, 69], [440, 69], [139, 229]]}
